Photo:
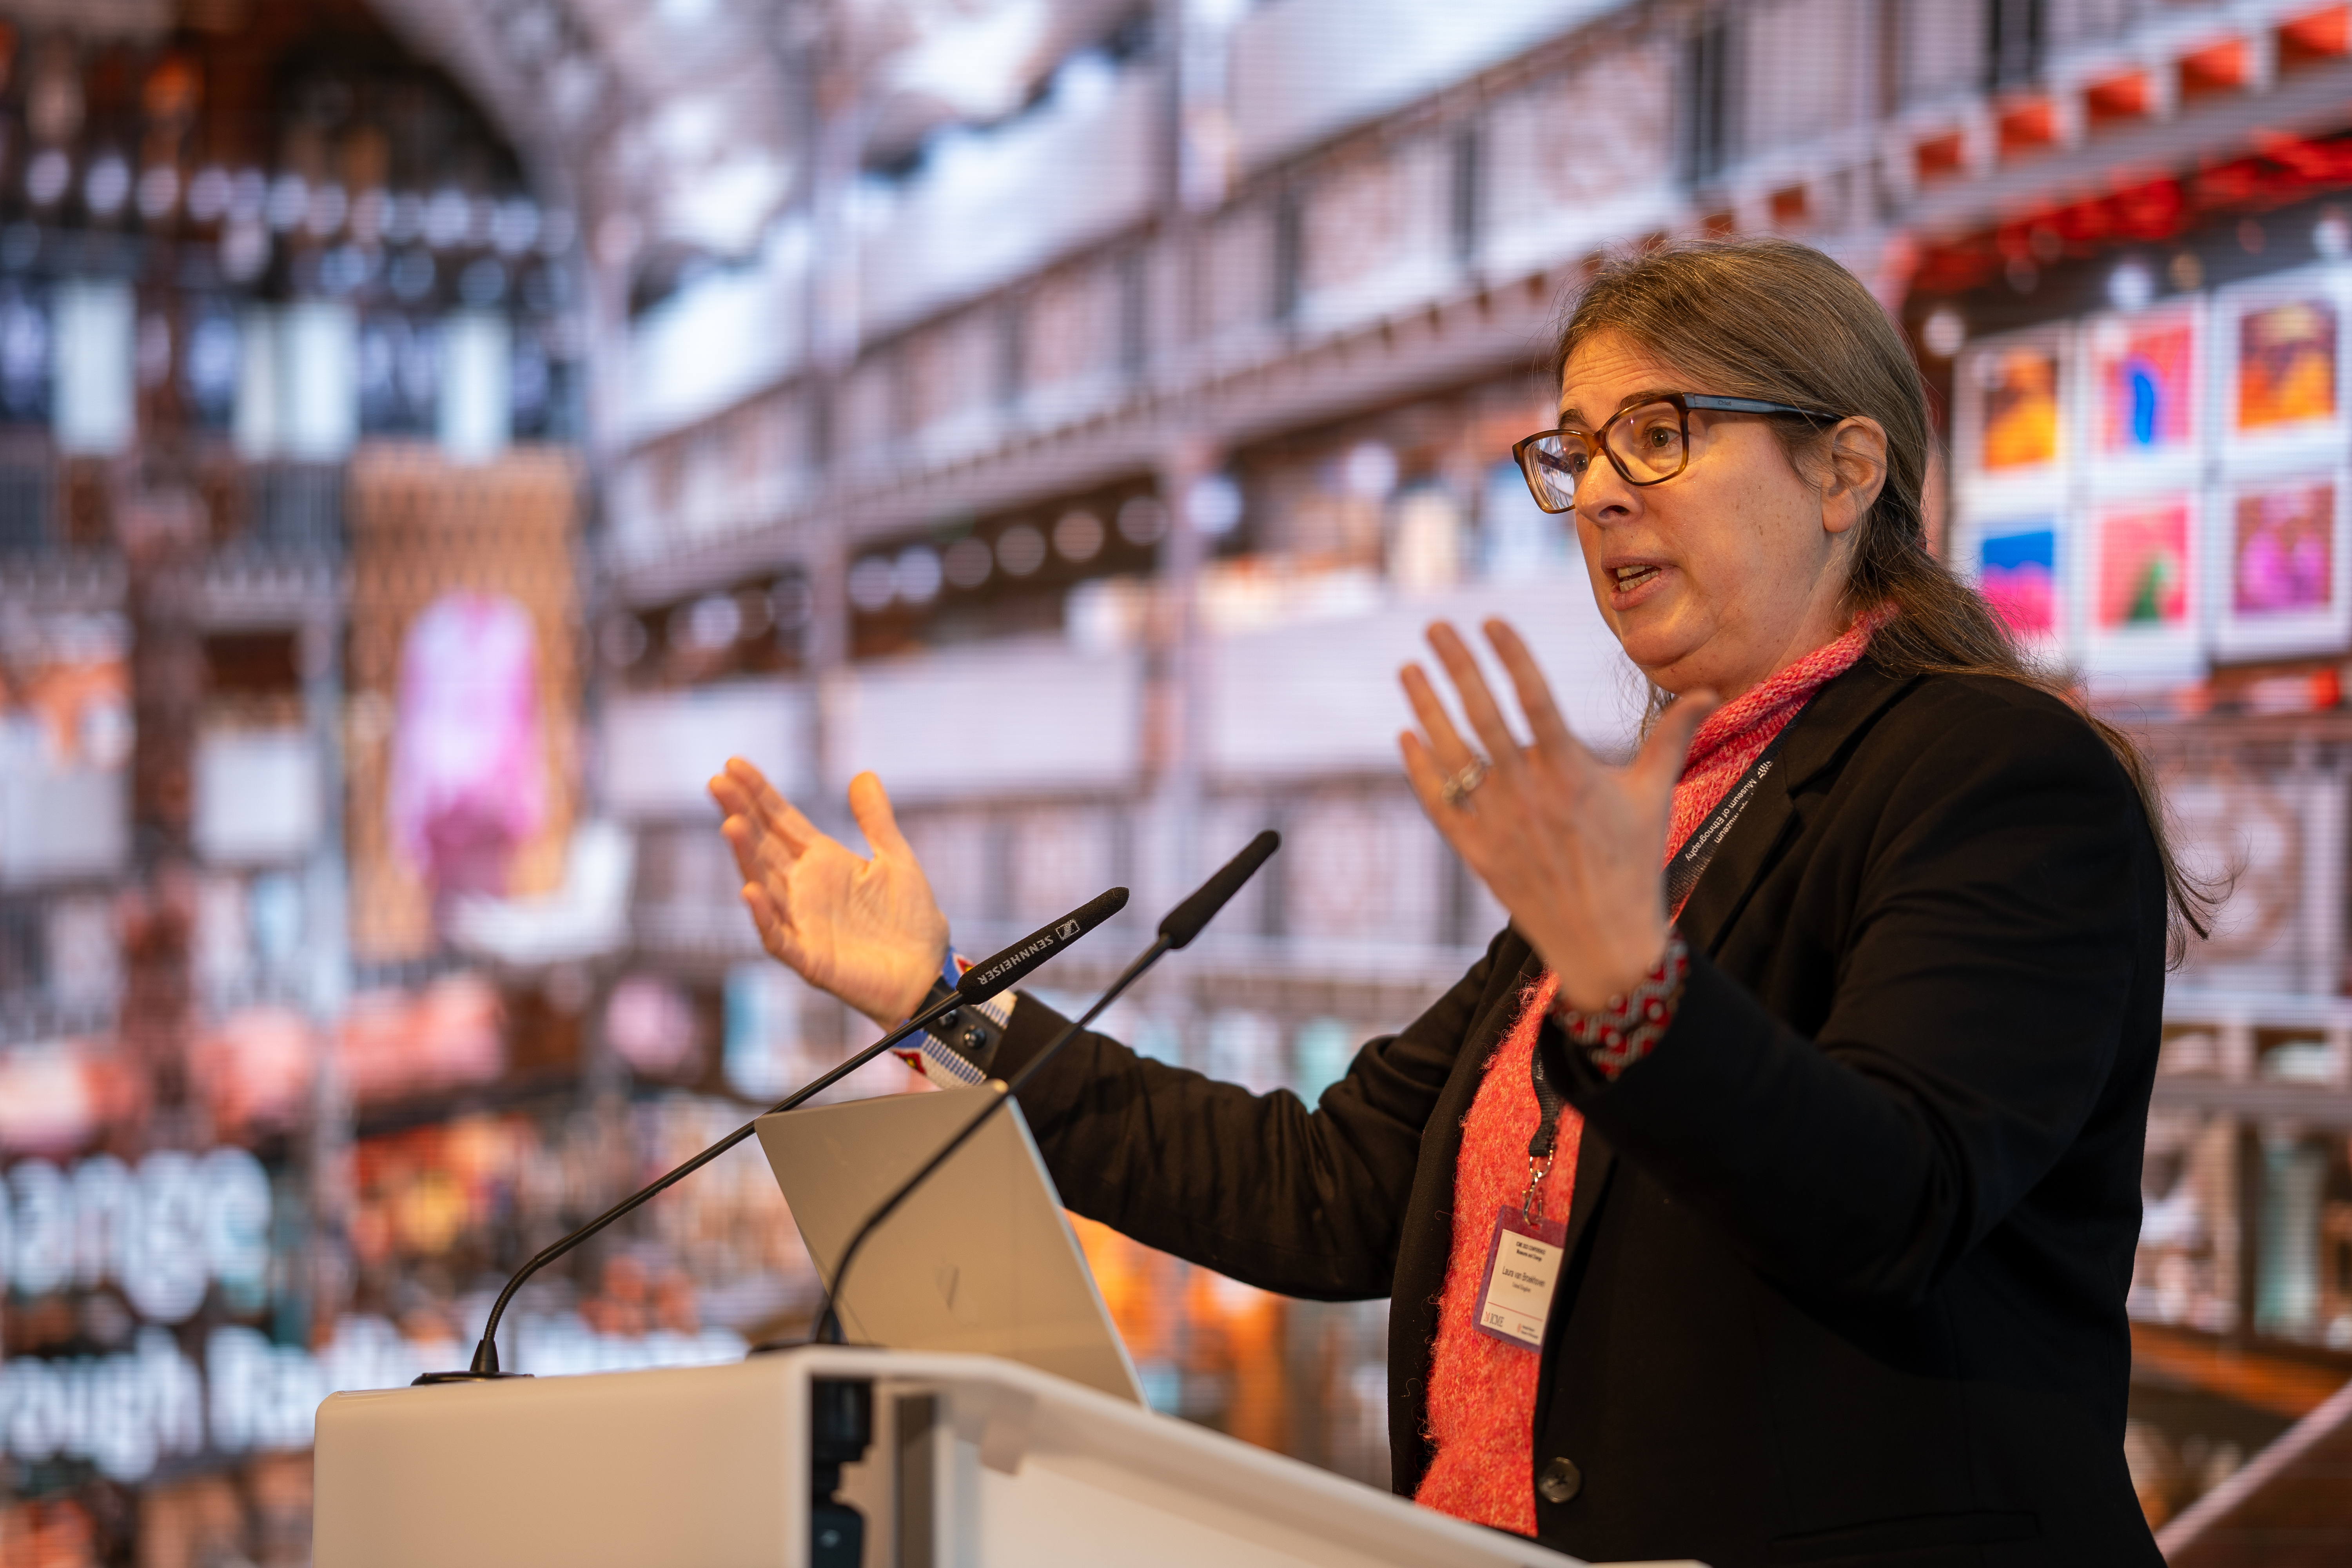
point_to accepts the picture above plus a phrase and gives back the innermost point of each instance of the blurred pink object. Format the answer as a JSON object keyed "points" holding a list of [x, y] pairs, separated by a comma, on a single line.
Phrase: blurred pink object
{"points": [[392, 1042], [651, 1025], [2025, 597], [467, 785], [255, 1070], [49, 1104]]}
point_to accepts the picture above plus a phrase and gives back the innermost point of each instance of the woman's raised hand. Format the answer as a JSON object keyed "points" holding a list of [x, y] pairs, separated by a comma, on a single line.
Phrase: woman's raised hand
{"points": [[869, 931], [1571, 846]]}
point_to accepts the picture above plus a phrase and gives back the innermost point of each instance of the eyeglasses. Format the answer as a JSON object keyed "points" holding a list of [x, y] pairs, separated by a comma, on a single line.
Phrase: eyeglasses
{"points": [[1648, 442]]}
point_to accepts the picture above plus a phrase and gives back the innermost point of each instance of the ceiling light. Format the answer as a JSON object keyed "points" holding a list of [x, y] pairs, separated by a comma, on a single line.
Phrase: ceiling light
{"points": [[916, 574], [445, 217], [289, 201], [159, 190], [327, 205], [515, 227], [1078, 536], [873, 584], [1020, 550], [108, 184], [47, 176], [968, 562], [1213, 504], [208, 194], [1943, 332], [2131, 286]]}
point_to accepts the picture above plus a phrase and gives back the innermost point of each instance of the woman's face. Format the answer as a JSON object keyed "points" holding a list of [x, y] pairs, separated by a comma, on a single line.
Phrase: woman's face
{"points": [[1733, 568]]}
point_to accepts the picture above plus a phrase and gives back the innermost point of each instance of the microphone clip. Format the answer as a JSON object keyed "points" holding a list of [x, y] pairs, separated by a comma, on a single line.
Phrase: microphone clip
{"points": [[959, 1045]]}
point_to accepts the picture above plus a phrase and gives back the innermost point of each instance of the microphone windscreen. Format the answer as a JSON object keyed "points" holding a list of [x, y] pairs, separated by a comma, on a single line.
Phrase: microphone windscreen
{"points": [[1184, 922], [1004, 970]]}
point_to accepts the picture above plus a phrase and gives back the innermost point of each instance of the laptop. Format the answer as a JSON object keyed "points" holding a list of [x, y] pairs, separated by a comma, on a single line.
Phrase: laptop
{"points": [[979, 1259]]}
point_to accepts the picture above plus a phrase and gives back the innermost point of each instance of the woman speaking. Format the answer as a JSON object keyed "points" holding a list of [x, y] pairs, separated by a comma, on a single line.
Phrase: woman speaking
{"points": [[1776, 1209]]}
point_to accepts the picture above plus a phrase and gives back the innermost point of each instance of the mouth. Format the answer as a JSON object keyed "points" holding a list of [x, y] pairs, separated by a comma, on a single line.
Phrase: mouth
{"points": [[1630, 577]]}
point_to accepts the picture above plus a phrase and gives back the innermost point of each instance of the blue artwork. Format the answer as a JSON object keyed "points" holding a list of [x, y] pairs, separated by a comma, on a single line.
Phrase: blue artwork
{"points": [[2018, 575]]}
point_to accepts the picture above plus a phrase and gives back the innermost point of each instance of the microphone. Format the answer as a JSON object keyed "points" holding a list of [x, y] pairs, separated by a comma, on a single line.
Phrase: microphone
{"points": [[1178, 929], [978, 984], [1184, 923]]}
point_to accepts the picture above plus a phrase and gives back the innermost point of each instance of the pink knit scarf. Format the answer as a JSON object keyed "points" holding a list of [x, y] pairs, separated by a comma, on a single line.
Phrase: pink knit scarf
{"points": [[1482, 1392]]}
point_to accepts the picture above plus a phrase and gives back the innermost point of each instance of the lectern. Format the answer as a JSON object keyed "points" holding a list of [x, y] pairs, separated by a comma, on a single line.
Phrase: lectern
{"points": [[837, 1456]]}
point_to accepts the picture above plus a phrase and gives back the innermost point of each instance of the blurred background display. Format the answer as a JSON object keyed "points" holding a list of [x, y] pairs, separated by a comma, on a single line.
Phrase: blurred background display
{"points": [[436, 433]]}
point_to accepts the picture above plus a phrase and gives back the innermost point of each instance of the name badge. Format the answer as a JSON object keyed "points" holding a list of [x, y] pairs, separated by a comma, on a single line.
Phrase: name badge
{"points": [[1523, 1264]]}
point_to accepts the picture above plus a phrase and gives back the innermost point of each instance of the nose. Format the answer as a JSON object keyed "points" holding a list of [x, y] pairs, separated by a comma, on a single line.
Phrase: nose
{"points": [[1603, 496]]}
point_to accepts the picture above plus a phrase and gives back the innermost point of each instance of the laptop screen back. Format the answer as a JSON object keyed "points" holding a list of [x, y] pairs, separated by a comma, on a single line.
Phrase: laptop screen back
{"points": [[979, 1259]]}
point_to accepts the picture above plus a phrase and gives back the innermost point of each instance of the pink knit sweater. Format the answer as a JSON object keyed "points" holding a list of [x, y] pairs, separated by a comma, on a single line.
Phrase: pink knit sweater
{"points": [[1482, 1392]]}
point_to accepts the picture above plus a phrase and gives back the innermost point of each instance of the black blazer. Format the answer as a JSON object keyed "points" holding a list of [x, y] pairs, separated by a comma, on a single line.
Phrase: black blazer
{"points": [[1849, 1249]]}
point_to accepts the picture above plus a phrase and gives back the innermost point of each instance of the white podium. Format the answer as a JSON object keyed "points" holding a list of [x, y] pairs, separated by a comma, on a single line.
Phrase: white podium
{"points": [[968, 1462]]}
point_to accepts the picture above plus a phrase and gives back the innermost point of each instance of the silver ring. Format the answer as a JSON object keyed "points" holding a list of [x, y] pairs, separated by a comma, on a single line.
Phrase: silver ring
{"points": [[1456, 790]]}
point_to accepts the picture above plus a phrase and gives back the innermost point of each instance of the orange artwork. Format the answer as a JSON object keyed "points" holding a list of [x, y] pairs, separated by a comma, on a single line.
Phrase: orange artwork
{"points": [[2286, 364], [2020, 409]]}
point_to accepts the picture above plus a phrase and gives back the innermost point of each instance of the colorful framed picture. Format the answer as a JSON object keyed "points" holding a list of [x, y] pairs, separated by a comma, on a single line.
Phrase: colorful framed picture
{"points": [[2010, 425], [2285, 587], [2281, 550], [2279, 371], [2141, 576], [2016, 572], [2141, 586], [2022, 423], [2286, 366], [2144, 385]]}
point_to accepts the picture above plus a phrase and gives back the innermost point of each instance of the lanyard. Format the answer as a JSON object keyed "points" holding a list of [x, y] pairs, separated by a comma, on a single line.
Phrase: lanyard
{"points": [[1683, 871], [1682, 875], [1545, 1142]]}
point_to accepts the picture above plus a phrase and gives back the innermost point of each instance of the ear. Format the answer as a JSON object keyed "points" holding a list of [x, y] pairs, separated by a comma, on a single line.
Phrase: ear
{"points": [[1854, 460]]}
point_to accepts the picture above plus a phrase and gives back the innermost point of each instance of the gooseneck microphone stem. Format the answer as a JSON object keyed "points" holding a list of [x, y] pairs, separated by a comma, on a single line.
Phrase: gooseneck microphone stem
{"points": [[485, 1352], [828, 1323], [979, 983], [1177, 928]]}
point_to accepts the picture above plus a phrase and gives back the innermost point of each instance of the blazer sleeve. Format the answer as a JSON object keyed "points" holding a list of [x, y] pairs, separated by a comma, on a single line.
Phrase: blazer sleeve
{"points": [[2002, 916], [1256, 1186]]}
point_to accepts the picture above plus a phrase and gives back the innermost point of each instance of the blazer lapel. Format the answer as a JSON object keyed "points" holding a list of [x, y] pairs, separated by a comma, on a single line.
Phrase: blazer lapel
{"points": [[1817, 738], [1596, 1162]]}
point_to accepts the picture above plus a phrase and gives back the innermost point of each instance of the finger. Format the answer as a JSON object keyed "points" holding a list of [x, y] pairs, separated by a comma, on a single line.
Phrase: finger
{"points": [[771, 811], [732, 798], [1452, 753], [776, 933], [869, 803], [1423, 772], [755, 843], [760, 858], [743, 838], [1660, 761], [1544, 721], [764, 859], [1478, 703], [1427, 778]]}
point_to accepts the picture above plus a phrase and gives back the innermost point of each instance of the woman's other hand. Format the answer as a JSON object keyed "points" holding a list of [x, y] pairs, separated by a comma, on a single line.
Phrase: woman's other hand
{"points": [[869, 931], [1572, 847]]}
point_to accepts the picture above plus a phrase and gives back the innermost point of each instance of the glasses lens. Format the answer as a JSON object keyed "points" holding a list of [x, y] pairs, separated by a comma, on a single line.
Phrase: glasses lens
{"points": [[1649, 441], [1553, 463]]}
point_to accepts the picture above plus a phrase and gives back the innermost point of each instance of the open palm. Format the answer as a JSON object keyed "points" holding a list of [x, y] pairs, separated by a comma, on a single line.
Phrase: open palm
{"points": [[1569, 845], [869, 932]]}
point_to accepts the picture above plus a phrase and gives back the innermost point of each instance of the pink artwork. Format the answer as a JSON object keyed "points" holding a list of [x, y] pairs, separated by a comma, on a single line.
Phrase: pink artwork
{"points": [[2016, 572], [2283, 555], [2143, 566], [467, 785], [2146, 386]]}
